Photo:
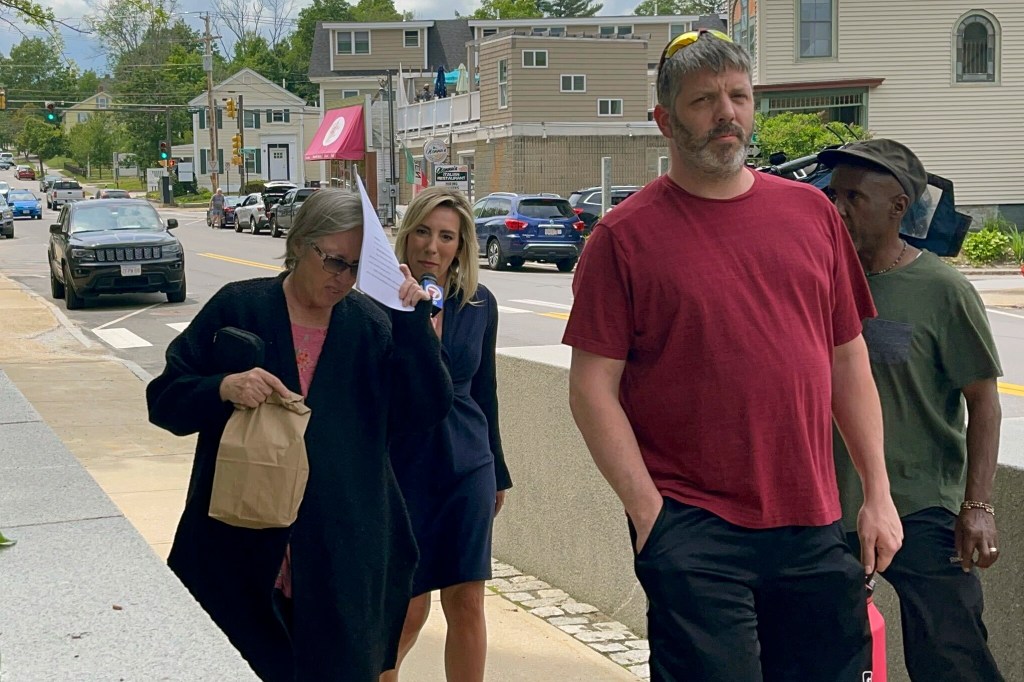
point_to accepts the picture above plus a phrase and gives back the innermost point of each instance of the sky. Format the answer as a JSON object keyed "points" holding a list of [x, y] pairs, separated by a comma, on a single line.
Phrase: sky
{"points": [[87, 54]]}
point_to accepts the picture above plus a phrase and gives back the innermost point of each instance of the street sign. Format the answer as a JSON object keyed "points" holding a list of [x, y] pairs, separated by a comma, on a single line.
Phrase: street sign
{"points": [[455, 177], [435, 150], [213, 166], [753, 151]]}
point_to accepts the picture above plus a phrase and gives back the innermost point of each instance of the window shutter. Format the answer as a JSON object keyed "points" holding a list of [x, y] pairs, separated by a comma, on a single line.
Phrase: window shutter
{"points": [[202, 119], [270, 115], [287, 116], [256, 119], [220, 118], [202, 162], [258, 170]]}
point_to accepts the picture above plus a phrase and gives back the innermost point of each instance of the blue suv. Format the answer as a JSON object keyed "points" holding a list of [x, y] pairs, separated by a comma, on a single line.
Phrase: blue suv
{"points": [[514, 228]]}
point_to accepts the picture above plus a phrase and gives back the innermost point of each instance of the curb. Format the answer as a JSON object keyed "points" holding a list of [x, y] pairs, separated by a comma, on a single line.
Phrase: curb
{"points": [[995, 272]]}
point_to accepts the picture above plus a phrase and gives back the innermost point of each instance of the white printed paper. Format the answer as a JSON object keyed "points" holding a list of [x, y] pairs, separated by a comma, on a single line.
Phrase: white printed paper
{"points": [[378, 275]]}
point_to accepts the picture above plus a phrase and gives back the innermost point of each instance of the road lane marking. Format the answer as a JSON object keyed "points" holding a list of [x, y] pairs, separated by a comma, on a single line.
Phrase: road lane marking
{"points": [[512, 311], [178, 326], [542, 304], [557, 316], [1011, 389], [240, 261], [121, 338], [1003, 312], [125, 317]]}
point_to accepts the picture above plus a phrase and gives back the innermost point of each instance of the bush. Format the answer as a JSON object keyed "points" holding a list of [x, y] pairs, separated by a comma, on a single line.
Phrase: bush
{"points": [[988, 246], [253, 186]]}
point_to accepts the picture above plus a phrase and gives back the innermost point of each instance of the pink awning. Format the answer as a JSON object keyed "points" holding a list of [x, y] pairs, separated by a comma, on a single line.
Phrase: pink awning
{"points": [[341, 136]]}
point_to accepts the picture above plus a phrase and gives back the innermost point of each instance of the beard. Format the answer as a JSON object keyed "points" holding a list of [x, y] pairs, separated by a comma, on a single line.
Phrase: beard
{"points": [[703, 153]]}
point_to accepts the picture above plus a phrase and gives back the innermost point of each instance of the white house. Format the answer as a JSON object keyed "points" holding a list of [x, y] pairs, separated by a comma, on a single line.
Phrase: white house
{"points": [[945, 77], [276, 126]]}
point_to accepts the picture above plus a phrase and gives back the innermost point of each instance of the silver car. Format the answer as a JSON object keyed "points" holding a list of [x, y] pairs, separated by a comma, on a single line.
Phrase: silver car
{"points": [[6, 220]]}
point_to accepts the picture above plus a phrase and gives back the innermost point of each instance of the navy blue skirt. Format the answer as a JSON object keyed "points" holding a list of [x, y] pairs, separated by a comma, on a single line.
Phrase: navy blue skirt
{"points": [[453, 532]]}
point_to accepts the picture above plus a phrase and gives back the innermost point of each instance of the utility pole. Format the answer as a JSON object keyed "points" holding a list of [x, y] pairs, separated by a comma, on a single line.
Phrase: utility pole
{"points": [[211, 118], [242, 168], [167, 168]]}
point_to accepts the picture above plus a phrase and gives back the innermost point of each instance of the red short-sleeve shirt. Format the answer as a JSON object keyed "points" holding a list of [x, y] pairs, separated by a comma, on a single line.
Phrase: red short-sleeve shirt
{"points": [[726, 313]]}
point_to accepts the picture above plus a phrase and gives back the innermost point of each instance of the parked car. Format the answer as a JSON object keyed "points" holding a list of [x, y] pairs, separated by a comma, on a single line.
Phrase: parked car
{"points": [[284, 211], [112, 194], [273, 192], [230, 204], [6, 220], [587, 202], [25, 204], [6, 160], [251, 214], [113, 246], [514, 228], [63, 191], [24, 173], [44, 184]]}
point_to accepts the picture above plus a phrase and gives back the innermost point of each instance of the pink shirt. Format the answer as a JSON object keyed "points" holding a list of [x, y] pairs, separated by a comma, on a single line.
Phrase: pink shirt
{"points": [[309, 343]]}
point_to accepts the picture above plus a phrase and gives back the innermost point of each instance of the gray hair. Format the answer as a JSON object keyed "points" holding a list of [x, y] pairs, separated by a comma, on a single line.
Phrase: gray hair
{"points": [[707, 52], [325, 212]]}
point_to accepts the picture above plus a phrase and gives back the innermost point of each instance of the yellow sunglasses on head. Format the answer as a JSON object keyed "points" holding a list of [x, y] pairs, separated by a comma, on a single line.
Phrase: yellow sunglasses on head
{"points": [[685, 40]]}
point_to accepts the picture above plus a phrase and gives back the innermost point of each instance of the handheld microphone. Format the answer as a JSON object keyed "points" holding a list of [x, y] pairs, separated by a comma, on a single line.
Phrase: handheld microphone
{"points": [[429, 283]]}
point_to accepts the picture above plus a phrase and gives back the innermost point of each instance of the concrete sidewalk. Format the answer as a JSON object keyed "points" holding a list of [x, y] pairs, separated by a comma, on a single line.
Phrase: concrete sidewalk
{"points": [[96, 406]]}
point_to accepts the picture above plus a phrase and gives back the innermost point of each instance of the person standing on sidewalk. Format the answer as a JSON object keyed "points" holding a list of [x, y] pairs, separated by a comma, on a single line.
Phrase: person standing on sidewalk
{"points": [[453, 476], [716, 330], [324, 599], [931, 352]]}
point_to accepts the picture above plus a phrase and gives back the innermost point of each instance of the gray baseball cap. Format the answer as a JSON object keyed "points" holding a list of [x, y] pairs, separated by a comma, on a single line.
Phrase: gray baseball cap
{"points": [[890, 155]]}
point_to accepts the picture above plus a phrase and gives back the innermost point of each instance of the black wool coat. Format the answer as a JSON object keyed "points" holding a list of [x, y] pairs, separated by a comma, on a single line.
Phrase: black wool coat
{"points": [[353, 553]]}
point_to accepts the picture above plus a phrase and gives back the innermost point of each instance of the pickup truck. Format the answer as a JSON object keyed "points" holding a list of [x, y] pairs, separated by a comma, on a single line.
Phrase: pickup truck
{"points": [[285, 210], [63, 191]]}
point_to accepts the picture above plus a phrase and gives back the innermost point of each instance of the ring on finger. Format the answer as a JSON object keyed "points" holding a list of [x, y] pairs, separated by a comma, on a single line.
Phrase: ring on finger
{"points": [[993, 550]]}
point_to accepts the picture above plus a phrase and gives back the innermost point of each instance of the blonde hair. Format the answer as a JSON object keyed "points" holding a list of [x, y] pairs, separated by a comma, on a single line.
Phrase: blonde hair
{"points": [[464, 272]]}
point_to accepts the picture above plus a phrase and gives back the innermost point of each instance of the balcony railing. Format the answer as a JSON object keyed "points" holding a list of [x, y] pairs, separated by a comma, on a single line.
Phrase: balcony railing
{"points": [[438, 113]]}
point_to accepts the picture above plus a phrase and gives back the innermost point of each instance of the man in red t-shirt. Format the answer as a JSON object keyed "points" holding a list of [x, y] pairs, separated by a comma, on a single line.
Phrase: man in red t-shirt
{"points": [[716, 331]]}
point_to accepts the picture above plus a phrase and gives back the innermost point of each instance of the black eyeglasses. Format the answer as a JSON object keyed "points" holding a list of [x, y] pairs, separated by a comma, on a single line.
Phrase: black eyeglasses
{"points": [[335, 265]]}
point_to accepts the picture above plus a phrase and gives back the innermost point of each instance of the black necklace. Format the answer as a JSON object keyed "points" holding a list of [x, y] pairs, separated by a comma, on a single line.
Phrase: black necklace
{"points": [[894, 263]]}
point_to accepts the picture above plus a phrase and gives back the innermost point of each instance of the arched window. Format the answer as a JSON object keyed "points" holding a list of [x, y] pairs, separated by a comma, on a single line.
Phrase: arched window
{"points": [[977, 49]]}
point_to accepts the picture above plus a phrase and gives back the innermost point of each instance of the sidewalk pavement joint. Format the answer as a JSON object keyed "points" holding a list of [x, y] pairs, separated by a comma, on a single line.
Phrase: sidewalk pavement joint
{"points": [[584, 622]]}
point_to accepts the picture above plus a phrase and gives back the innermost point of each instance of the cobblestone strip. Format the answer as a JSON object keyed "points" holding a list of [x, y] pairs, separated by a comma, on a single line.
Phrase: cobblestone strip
{"points": [[609, 638]]}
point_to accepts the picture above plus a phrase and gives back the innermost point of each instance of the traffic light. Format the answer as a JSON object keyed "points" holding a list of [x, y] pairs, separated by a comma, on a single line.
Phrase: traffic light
{"points": [[236, 144], [3, 99], [230, 106], [165, 150], [171, 163], [51, 114]]}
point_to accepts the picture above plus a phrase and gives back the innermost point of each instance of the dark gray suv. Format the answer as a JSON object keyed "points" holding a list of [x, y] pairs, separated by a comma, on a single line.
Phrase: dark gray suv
{"points": [[587, 202]]}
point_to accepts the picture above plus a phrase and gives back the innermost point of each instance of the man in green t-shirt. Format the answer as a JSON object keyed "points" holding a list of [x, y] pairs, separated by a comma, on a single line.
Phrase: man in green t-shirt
{"points": [[931, 352]]}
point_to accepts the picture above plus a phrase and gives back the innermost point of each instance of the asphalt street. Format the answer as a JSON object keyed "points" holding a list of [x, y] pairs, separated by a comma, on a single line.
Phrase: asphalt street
{"points": [[534, 301]]}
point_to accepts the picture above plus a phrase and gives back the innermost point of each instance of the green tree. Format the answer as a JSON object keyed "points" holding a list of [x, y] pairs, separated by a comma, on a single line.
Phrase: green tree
{"points": [[569, 8], [376, 10], [253, 52], [94, 141], [43, 139], [88, 84], [35, 71], [507, 9], [650, 8], [122, 26], [799, 135]]}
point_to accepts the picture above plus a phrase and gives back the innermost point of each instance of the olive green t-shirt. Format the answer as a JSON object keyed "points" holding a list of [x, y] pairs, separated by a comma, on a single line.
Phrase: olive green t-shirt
{"points": [[931, 338]]}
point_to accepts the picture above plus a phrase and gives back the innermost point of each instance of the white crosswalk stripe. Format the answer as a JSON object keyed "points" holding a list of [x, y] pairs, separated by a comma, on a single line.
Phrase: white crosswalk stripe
{"points": [[178, 326], [121, 338], [512, 311]]}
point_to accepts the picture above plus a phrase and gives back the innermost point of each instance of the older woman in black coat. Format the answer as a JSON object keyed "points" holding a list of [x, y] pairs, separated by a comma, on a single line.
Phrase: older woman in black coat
{"points": [[333, 609]]}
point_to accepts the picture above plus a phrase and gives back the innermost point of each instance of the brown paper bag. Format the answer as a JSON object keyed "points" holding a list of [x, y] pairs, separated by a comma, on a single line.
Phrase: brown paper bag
{"points": [[262, 467]]}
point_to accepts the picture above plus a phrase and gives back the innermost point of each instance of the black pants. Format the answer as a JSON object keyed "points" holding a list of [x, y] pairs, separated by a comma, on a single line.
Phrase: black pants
{"points": [[944, 638], [730, 604]]}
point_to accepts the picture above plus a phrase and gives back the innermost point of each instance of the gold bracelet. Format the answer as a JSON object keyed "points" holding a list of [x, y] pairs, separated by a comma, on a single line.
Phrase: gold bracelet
{"points": [[971, 504]]}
